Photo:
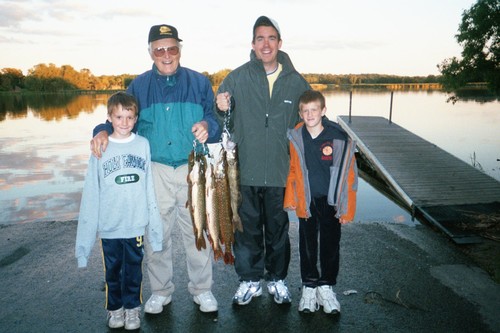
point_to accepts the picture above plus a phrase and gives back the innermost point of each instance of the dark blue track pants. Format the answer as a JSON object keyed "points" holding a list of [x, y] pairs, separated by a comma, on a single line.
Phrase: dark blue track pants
{"points": [[123, 271]]}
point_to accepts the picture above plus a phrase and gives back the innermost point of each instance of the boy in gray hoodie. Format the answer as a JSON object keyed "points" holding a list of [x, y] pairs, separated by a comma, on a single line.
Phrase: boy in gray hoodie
{"points": [[118, 204]]}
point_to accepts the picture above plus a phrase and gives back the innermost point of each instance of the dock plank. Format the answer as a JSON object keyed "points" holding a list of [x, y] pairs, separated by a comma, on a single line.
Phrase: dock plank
{"points": [[426, 177]]}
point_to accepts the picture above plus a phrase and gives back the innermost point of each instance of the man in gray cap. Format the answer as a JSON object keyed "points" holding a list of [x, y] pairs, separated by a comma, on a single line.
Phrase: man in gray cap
{"points": [[263, 95], [176, 107]]}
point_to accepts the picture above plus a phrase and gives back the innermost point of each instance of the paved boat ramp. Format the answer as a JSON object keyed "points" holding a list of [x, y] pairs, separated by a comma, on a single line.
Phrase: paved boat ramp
{"points": [[446, 191]]}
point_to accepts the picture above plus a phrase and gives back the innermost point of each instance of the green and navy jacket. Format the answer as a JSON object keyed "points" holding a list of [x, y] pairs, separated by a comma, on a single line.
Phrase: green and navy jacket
{"points": [[168, 108]]}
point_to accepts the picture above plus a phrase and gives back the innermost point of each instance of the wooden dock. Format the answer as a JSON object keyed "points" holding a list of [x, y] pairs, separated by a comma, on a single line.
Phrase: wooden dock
{"points": [[448, 192]]}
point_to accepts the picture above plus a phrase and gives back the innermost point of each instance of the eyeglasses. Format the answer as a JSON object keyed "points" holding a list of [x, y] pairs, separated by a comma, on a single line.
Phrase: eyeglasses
{"points": [[160, 51]]}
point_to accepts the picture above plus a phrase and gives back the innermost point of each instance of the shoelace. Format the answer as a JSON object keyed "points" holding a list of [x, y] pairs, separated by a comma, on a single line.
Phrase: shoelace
{"points": [[328, 296], [133, 314], [328, 293], [242, 289], [116, 313], [245, 286], [156, 299], [310, 293], [205, 297], [281, 288]]}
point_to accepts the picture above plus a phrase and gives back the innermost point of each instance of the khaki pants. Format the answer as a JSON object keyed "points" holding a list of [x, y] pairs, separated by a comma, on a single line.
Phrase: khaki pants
{"points": [[171, 194]]}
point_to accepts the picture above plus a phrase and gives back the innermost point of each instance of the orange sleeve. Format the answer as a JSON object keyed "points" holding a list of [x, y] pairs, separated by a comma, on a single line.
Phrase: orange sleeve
{"points": [[290, 197], [351, 193]]}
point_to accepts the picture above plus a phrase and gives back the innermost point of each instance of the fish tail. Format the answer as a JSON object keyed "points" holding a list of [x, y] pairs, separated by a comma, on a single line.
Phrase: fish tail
{"points": [[237, 225], [218, 255], [200, 243], [228, 258]]}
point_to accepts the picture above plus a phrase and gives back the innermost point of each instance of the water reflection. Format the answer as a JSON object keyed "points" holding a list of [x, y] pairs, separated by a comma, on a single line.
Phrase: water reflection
{"points": [[44, 149], [48, 106], [44, 146], [467, 129]]}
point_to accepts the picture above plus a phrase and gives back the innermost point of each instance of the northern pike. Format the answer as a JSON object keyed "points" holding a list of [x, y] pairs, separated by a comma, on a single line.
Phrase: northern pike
{"points": [[234, 179], [223, 206], [197, 165], [212, 225]]}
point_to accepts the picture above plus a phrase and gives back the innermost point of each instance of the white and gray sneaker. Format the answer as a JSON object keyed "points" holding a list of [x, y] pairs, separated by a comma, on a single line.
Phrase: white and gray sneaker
{"points": [[308, 301], [327, 299], [280, 292], [246, 291], [116, 318], [132, 320], [155, 303], [206, 301]]}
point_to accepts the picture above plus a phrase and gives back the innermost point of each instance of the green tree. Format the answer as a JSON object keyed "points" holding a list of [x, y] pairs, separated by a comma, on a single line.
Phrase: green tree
{"points": [[10, 79], [478, 34]]}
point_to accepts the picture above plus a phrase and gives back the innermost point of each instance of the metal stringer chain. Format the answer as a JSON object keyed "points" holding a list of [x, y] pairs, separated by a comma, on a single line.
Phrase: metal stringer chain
{"points": [[227, 119]]}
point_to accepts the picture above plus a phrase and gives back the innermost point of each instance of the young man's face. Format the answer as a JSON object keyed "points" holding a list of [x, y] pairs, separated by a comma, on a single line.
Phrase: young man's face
{"points": [[312, 113], [166, 55], [266, 44], [123, 122]]}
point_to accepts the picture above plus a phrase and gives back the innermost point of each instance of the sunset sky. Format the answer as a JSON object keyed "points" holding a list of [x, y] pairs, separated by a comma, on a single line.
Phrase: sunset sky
{"points": [[321, 36]]}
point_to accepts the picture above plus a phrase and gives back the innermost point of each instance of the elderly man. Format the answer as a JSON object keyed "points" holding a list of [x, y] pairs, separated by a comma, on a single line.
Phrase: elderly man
{"points": [[175, 108]]}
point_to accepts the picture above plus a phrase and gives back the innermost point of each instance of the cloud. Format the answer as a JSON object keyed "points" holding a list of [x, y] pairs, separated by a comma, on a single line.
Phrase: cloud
{"points": [[12, 14], [333, 44]]}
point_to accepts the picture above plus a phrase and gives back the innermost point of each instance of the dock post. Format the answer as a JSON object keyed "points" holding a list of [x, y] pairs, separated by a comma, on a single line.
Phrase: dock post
{"points": [[350, 105], [390, 110]]}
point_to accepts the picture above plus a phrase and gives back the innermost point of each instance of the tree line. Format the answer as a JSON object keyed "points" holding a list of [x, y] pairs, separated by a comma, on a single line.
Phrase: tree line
{"points": [[51, 78]]}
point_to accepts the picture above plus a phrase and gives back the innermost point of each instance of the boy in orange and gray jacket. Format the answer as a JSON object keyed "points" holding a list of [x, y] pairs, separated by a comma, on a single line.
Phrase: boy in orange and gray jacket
{"points": [[321, 189]]}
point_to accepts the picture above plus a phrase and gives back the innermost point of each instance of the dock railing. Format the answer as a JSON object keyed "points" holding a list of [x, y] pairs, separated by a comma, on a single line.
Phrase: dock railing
{"points": [[350, 107]]}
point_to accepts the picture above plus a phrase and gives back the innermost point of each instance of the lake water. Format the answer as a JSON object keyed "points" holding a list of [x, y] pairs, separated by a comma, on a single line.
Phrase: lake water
{"points": [[44, 146]]}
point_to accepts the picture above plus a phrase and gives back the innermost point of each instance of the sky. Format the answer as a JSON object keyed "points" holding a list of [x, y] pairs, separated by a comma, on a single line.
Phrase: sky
{"points": [[109, 37]]}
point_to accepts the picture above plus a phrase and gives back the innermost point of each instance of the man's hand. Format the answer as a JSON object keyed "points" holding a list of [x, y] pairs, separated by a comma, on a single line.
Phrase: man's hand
{"points": [[99, 143], [200, 131], [223, 101]]}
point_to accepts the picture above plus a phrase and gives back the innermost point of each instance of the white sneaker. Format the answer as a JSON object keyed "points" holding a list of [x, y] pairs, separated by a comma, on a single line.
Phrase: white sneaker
{"points": [[308, 301], [206, 301], [155, 303], [116, 318], [280, 291], [132, 320], [327, 299], [246, 291]]}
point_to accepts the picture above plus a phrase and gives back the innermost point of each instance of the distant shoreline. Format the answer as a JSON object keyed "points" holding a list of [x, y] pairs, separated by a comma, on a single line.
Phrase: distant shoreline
{"points": [[433, 86]]}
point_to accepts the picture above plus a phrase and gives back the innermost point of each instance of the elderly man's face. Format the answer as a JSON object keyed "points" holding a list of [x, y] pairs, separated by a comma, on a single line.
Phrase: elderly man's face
{"points": [[166, 54]]}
